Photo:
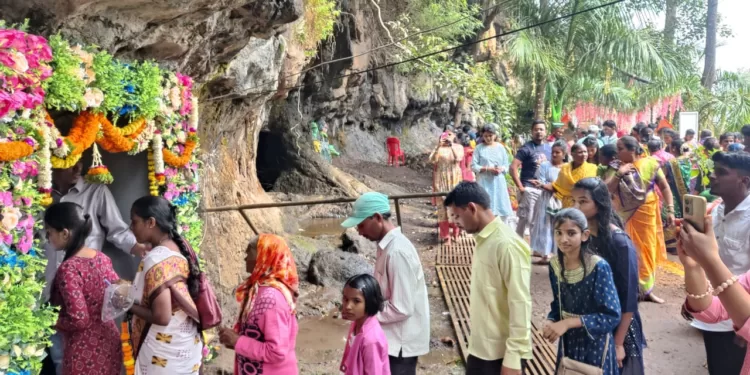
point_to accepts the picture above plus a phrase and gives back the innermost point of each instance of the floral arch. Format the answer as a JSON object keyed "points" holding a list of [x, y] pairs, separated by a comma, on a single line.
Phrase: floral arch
{"points": [[120, 107]]}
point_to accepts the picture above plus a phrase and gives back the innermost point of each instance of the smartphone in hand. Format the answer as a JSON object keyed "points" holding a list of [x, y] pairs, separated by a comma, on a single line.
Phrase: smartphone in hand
{"points": [[694, 211]]}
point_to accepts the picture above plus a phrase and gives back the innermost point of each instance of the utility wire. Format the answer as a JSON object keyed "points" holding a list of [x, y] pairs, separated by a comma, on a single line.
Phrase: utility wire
{"points": [[431, 53], [492, 7]]}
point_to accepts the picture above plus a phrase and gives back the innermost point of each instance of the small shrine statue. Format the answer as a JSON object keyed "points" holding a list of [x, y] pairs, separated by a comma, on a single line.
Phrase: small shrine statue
{"points": [[315, 136]]}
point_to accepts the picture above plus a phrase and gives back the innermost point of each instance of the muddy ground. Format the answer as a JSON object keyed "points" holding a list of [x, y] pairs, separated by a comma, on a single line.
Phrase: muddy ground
{"points": [[673, 346]]}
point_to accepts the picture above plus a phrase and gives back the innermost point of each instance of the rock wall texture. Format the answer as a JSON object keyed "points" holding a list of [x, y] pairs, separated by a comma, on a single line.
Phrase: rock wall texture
{"points": [[243, 52]]}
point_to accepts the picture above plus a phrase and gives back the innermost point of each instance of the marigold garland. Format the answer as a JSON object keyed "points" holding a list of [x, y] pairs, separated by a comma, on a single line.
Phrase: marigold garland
{"points": [[83, 133], [182, 160], [153, 183], [65, 163], [127, 348], [15, 150], [114, 139]]}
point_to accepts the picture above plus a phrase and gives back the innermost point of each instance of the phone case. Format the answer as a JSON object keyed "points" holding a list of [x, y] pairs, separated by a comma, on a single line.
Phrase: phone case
{"points": [[694, 210]]}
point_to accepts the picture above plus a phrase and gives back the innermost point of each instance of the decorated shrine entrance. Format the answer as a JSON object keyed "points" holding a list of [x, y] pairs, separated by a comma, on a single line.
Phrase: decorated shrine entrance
{"points": [[133, 127]]}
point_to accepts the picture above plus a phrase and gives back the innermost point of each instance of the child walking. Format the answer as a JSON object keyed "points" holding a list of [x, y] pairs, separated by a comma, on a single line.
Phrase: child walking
{"points": [[585, 306], [366, 351]]}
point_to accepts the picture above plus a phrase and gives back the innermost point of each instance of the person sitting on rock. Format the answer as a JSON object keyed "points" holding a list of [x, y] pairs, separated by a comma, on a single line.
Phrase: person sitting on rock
{"points": [[405, 317]]}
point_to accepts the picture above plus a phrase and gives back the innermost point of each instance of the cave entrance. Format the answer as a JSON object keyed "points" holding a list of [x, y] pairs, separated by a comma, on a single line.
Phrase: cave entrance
{"points": [[271, 159]]}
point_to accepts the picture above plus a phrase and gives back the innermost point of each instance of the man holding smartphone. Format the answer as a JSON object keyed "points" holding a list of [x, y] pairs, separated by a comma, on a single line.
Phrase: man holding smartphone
{"points": [[730, 180]]}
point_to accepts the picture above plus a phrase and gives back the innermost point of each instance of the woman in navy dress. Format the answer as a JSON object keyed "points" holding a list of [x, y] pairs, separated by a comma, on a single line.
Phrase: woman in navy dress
{"points": [[609, 241]]}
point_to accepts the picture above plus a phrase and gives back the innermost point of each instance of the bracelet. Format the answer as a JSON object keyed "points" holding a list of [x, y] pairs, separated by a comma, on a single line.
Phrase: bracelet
{"points": [[726, 285], [709, 291]]}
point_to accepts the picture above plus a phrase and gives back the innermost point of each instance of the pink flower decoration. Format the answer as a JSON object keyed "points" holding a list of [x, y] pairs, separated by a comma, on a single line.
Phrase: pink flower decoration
{"points": [[6, 198], [18, 168], [168, 196], [8, 239], [25, 244]]}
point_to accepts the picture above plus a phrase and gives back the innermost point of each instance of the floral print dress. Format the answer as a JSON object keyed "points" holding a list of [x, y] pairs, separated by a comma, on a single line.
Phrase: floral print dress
{"points": [[588, 293], [91, 346]]}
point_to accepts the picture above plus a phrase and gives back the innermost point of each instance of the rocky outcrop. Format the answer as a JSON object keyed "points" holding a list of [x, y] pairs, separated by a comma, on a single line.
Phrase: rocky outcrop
{"points": [[333, 267], [242, 55], [353, 242]]}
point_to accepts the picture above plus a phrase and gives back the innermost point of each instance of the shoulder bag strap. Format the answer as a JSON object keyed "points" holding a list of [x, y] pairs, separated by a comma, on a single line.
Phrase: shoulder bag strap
{"points": [[559, 303]]}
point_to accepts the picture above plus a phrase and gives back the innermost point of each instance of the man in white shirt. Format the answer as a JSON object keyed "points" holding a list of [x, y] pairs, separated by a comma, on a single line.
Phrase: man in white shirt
{"points": [[609, 128], [97, 201], [405, 317], [731, 219]]}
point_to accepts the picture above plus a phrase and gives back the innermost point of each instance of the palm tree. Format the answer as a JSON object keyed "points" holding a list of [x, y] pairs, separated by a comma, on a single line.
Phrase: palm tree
{"points": [[591, 46]]}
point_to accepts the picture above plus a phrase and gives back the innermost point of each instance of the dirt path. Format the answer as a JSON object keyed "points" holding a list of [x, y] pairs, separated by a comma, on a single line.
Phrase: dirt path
{"points": [[673, 347]]}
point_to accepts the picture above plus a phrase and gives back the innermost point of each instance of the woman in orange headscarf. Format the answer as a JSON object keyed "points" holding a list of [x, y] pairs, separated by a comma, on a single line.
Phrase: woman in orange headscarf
{"points": [[265, 335]]}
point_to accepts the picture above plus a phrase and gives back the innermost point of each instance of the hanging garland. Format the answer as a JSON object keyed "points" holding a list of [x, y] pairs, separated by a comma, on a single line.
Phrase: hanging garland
{"points": [[98, 173], [127, 348], [157, 157], [114, 139], [65, 163], [182, 160]]}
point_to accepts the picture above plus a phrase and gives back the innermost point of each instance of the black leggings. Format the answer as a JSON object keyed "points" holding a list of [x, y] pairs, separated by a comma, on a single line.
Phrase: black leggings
{"points": [[724, 355]]}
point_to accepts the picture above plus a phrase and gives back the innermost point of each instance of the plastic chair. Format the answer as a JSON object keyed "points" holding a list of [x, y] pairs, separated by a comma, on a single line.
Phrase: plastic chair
{"points": [[394, 152]]}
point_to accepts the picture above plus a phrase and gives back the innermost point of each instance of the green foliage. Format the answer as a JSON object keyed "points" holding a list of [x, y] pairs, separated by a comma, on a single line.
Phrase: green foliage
{"points": [[27, 324], [724, 108], [448, 75], [318, 22], [65, 88], [111, 76], [146, 78]]}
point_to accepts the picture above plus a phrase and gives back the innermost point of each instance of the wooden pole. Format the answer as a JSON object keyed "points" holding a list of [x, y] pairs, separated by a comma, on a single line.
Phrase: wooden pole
{"points": [[398, 212]]}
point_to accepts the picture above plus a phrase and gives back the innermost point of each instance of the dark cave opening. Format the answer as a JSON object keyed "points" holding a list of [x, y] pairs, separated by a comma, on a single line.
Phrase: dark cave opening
{"points": [[271, 159]]}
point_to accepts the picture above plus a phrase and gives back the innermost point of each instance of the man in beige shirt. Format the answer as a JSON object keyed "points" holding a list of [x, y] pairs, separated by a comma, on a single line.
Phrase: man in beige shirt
{"points": [[405, 316], [500, 301]]}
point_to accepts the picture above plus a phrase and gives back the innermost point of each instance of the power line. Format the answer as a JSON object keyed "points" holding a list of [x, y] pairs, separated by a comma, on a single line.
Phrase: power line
{"points": [[275, 81], [436, 52]]}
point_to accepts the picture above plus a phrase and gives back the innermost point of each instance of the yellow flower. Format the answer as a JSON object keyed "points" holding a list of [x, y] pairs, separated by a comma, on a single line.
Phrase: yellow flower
{"points": [[17, 350], [29, 351], [4, 361]]}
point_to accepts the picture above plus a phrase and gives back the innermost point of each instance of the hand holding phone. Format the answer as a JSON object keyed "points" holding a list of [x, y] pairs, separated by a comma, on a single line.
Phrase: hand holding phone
{"points": [[694, 211]]}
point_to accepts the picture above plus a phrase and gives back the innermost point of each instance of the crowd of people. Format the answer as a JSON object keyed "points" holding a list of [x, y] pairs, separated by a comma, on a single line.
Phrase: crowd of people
{"points": [[602, 209], [600, 224]]}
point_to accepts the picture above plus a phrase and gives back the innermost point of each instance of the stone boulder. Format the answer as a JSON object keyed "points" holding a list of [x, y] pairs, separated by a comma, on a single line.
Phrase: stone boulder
{"points": [[333, 267], [352, 242]]}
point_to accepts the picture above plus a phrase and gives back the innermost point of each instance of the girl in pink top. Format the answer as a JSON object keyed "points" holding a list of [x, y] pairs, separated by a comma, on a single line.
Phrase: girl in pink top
{"points": [[366, 351], [699, 253]]}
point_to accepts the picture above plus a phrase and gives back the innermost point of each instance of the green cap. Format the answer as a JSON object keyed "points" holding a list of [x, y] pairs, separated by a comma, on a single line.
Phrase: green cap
{"points": [[557, 125], [367, 205]]}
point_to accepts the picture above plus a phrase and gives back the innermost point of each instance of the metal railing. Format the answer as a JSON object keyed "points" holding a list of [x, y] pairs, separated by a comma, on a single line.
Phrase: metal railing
{"points": [[241, 208]]}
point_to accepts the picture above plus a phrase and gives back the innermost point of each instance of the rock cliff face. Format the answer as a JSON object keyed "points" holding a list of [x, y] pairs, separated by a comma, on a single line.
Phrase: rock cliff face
{"points": [[243, 52]]}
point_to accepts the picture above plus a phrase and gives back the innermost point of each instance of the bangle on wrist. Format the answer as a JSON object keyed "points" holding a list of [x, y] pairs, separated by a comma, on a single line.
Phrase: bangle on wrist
{"points": [[725, 285], [709, 291]]}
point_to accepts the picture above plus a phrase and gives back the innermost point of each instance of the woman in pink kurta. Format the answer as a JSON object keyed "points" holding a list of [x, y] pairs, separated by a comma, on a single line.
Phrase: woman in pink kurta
{"points": [[91, 346], [265, 335]]}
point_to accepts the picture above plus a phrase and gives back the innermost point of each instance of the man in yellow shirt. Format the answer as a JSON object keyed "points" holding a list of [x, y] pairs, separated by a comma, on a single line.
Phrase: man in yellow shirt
{"points": [[500, 301]]}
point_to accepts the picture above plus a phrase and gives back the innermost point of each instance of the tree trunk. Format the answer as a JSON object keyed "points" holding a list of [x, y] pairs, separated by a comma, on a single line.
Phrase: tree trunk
{"points": [[670, 21], [541, 93], [709, 69]]}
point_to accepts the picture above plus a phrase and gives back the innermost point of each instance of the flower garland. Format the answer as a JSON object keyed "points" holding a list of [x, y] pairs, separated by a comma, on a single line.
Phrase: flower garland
{"points": [[153, 183], [142, 140], [81, 136], [158, 158], [127, 348], [182, 160], [44, 179], [98, 173], [15, 150], [114, 139]]}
